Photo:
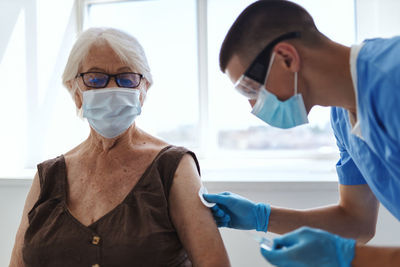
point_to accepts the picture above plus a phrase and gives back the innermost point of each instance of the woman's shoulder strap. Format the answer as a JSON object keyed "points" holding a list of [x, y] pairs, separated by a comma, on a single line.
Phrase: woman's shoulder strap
{"points": [[168, 163]]}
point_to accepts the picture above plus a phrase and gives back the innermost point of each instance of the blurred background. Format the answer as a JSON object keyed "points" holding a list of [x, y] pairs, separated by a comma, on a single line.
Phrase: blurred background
{"points": [[191, 102]]}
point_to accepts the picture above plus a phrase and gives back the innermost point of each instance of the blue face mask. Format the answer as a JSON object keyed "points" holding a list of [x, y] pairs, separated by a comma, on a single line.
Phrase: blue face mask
{"points": [[281, 114], [111, 111]]}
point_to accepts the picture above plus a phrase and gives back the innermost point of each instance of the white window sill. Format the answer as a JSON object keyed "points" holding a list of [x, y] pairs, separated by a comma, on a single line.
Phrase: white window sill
{"points": [[269, 170]]}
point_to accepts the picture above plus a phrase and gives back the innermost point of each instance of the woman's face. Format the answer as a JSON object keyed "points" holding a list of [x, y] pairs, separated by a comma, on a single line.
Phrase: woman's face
{"points": [[101, 58]]}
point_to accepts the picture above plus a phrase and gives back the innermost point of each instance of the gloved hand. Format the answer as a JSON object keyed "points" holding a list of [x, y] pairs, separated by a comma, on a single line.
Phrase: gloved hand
{"points": [[311, 247], [235, 211]]}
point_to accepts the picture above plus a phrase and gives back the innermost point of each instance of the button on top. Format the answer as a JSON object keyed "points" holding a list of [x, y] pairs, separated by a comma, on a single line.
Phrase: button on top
{"points": [[96, 241]]}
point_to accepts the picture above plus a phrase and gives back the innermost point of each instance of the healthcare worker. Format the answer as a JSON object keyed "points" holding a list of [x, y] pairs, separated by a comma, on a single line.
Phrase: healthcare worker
{"points": [[277, 58]]}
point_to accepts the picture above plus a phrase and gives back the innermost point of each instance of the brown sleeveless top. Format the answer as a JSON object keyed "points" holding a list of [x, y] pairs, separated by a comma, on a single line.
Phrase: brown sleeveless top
{"points": [[138, 232]]}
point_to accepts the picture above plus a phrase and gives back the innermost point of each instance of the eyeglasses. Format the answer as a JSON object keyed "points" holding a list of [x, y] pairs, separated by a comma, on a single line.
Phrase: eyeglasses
{"points": [[254, 77], [101, 80]]}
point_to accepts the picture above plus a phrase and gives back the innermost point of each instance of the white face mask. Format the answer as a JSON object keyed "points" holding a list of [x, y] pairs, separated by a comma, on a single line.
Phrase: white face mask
{"points": [[111, 111]]}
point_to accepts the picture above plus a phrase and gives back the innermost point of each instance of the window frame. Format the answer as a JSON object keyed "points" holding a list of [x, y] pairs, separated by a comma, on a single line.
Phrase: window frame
{"points": [[208, 142]]}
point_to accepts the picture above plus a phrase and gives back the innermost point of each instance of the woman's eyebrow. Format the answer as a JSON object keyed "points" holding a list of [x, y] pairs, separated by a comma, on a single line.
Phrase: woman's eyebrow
{"points": [[95, 69], [102, 70], [125, 69]]}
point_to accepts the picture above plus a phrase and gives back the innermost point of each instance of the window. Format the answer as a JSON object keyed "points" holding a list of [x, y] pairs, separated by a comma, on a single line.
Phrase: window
{"points": [[234, 128], [219, 123], [37, 114], [191, 103], [167, 32]]}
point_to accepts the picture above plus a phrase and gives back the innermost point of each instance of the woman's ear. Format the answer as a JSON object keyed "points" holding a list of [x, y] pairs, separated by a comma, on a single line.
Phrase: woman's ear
{"points": [[69, 84], [143, 92], [78, 99], [288, 55], [147, 85]]}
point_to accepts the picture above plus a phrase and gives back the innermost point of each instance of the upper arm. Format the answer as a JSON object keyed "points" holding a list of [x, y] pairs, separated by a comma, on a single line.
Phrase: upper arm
{"points": [[194, 222], [360, 203], [357, 201], [347, 171], [33, 195]]}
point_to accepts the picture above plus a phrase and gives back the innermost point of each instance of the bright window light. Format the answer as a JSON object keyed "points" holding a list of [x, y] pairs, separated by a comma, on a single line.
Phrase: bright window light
{"points": [[167, 32], [38, 114], [13, 96], [171, 111], [234, 127]]}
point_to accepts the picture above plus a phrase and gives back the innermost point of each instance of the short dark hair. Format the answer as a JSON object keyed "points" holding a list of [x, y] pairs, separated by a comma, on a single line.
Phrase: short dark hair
{"points": [[263, 21]]}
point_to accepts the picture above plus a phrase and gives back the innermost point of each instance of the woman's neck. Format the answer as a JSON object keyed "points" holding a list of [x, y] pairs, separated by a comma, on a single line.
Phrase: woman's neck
{"points": [[101, 145]]}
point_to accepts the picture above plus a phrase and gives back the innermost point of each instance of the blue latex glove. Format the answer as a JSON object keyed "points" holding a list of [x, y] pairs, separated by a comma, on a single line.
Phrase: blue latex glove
{"points": [[311, 247], [237, 212]]}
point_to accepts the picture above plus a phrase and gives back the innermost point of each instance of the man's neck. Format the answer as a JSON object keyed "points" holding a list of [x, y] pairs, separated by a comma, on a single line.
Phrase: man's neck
{"points": [[330, 82]]}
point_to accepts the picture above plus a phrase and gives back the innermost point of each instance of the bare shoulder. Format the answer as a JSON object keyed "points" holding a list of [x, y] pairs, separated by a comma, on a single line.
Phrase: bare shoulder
{"points": [[152, 141], [187, 168], [150, 145], [74, 152], [194, 222]]}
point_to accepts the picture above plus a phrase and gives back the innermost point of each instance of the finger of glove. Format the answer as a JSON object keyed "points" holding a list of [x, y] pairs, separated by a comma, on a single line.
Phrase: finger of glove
{"points": [[217, 198], [276, 256], [217, 212], [220, 216], [225, 219], [215, 208], [222, 224], [287, 240]]}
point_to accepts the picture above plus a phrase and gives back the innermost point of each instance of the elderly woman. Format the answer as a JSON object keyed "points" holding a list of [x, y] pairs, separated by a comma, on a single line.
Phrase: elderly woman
{"points": [[122, 197]]}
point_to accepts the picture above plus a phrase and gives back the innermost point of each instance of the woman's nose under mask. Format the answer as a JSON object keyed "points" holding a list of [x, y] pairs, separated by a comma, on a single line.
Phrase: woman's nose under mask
{"points": [[111, 111]]}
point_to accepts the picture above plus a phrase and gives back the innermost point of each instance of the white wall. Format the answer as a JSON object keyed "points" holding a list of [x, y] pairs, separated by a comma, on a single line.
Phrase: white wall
{"points": [[242, 250], [12, 198]]}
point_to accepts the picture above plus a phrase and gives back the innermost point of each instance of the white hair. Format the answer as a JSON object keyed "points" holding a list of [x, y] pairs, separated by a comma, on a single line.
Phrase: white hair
{"points": [[124, 45]]}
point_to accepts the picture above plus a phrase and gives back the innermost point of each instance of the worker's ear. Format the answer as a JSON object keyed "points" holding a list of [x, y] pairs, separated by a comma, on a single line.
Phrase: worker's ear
{"points": [[287, 55]]}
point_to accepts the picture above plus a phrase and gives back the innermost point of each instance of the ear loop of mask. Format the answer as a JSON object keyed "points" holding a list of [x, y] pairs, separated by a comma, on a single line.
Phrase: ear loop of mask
{"points": [[269, 67], [79, 111], [269, 70], [77, 86]]}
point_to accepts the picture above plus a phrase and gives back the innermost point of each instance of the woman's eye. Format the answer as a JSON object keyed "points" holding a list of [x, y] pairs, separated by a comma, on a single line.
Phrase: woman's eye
{"points": [[126, 82], [97, 81]]}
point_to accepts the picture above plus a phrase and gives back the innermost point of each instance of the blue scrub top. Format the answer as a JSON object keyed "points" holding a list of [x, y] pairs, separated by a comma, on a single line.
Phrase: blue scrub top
{"points": [[375, 160]]}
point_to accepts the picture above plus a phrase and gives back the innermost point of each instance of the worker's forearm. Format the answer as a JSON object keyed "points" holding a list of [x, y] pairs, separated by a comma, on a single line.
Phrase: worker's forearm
{"points": [[366, 256], [331, 218]]}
